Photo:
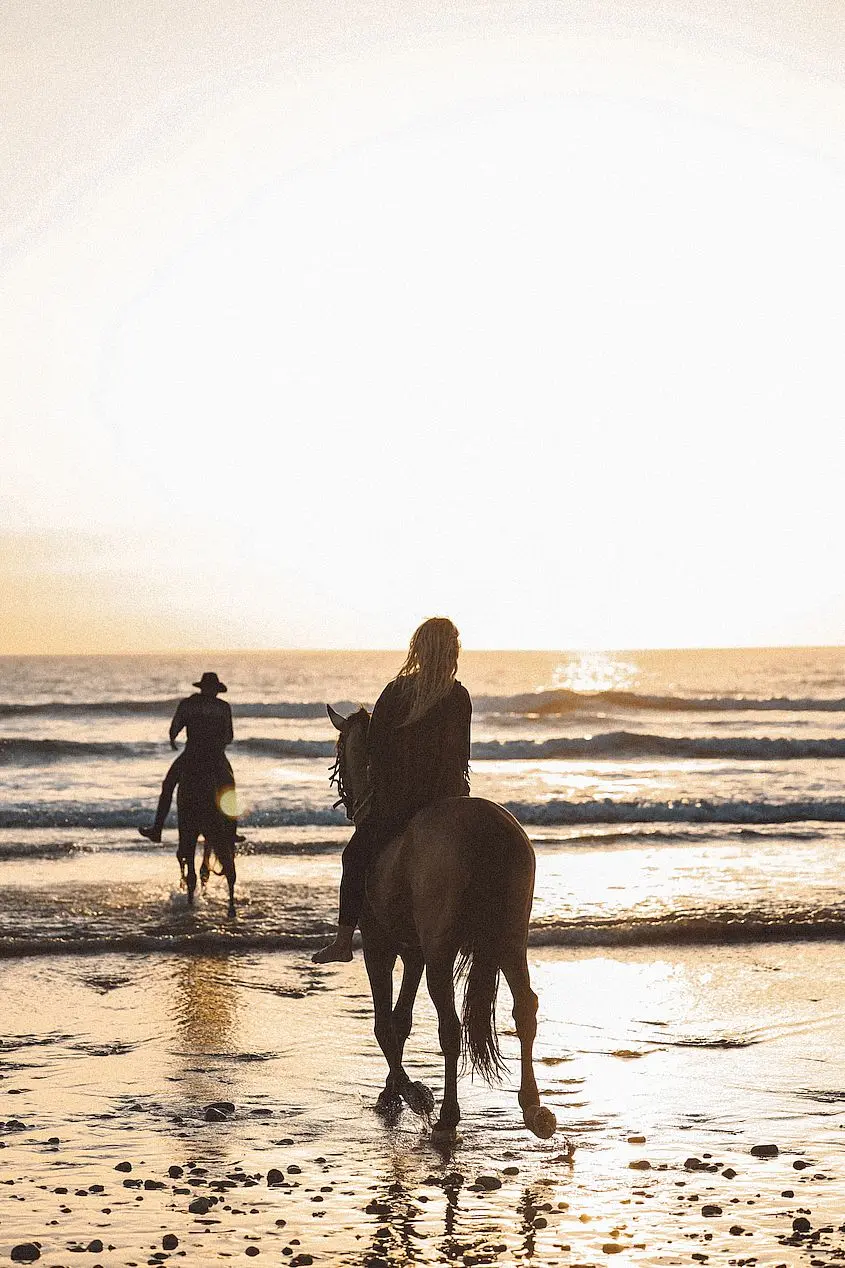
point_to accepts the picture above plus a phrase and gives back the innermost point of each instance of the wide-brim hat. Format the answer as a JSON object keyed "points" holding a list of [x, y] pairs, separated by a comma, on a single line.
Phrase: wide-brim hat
{"points": [[210, 679]]}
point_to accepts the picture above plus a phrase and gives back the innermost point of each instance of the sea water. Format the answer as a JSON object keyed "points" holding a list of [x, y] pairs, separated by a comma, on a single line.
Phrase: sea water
{"points": [[671, 796]]}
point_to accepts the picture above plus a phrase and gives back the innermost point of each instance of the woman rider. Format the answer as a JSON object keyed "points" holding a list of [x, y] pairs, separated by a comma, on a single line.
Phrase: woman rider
{"points": [[417, 753]]}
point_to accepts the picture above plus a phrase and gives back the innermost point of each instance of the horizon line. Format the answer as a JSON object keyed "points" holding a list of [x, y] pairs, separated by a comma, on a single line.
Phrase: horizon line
{"points": [[370, 651]]}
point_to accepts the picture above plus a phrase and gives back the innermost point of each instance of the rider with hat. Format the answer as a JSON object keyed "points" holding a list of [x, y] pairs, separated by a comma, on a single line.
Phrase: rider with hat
{"points": [[207, 721]]}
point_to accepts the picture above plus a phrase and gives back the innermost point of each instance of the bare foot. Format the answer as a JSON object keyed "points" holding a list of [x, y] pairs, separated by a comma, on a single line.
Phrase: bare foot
{"points": [[339, 951], [151, 834]]}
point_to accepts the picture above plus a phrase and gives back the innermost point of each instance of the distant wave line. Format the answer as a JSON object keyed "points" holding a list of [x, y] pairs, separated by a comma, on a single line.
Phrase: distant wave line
{"points": [[629, 745], [552, 702]]}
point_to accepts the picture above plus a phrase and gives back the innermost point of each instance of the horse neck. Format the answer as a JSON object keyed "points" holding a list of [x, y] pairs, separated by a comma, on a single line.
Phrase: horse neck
{"points": [[355, 774]]}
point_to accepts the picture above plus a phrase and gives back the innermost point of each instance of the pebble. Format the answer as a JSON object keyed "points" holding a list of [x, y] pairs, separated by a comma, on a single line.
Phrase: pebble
{"points": [[215, 1115], [800, 1165], [488, 1182], [640, 1164], [275, 1176], [801, 1224], [96, 1246], [612, 1248], [200, 1206], [170, 1241], [710, 1210], [123, 1166], [25, 1253], [765, 1151]]}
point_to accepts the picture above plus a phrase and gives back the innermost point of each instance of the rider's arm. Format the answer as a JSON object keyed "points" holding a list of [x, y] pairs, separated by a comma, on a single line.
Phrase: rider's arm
{"points": [[379, 733], [455, 745], [230, 735], [178, 723]]}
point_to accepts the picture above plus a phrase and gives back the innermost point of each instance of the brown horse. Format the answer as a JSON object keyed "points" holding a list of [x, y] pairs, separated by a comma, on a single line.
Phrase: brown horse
{"points": [[454, 887], [199, 813]]}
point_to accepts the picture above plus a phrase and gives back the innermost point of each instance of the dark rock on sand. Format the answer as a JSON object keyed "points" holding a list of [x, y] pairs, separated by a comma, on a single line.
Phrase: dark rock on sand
{"points": [[214, 1115], [225, 1107], [801, 1224], [695, 1164], [175, 1172], [488, 1182], [275, 1176], [641, 1164], [800, 1165], [170, 1241], [25, 1253], [711, 1210], [765, 1151], [123, 1166], [729, 1173], [200, 1206], [95, 1247]]}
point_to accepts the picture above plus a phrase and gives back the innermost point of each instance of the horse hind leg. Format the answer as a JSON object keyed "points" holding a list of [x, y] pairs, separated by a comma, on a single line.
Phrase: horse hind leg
{"points": [[228, 865], [537, 1118], [187, 864]]}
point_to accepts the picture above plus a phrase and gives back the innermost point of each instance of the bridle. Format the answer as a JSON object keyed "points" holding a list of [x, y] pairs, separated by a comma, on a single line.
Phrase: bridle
{"points": [[337, 774]]}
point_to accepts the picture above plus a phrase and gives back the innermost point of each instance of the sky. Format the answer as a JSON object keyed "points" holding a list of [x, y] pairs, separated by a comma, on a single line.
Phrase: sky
{"points": [[316, 320]]}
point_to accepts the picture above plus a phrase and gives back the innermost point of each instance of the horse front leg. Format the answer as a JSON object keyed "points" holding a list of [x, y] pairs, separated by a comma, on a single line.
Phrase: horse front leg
{"points": [[440, 979], [403, 1015], [537, 1118], [379, 960]]}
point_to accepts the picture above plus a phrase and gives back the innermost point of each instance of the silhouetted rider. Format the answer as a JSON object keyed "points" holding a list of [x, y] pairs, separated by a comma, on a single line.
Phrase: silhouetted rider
{"points": [[207, 721]]}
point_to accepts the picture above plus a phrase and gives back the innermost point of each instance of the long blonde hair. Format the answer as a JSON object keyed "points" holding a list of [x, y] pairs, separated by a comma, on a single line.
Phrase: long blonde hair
{"points": [[430, 666]]}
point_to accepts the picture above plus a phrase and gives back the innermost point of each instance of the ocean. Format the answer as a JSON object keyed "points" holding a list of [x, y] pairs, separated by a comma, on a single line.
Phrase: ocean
{"points": [[671, 796]]}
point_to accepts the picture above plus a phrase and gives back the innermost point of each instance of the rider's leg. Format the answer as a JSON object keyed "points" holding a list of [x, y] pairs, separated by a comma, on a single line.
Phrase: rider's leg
{"points": [[355, 858], [168, 787]]}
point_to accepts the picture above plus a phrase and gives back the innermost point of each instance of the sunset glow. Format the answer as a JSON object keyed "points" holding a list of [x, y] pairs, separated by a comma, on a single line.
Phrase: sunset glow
{"points": [[534, 324]]}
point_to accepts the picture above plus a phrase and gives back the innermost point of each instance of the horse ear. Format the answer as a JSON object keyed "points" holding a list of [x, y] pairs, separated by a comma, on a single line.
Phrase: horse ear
{"points": [[337, 719]]}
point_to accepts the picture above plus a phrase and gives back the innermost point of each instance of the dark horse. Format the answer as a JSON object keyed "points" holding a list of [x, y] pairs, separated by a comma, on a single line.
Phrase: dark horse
{"points": [[455, 886], [198, 802]]}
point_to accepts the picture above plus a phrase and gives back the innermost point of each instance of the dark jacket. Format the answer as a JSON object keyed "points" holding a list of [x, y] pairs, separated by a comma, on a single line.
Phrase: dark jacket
{"points": [[413, 766], [208, 722]]}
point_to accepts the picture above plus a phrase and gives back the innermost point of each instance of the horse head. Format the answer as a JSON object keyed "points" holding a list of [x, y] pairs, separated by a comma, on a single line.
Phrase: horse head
{"points": [[350, 768]]}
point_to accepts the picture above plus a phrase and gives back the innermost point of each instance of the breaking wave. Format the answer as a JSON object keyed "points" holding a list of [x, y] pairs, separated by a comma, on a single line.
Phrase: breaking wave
{"points": [[532, 814], [688, 930]]}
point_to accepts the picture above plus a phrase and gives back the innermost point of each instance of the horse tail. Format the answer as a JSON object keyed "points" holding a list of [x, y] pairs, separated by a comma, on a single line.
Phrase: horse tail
{"points": [[479, 954]]}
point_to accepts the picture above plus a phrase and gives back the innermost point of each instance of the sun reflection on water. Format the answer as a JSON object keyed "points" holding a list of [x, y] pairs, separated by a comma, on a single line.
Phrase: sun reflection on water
{"points": [[594, 671]]}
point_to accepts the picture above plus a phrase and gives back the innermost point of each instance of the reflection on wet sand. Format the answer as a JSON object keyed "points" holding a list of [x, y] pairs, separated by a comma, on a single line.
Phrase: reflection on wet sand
{"points": [[204, 1007]]}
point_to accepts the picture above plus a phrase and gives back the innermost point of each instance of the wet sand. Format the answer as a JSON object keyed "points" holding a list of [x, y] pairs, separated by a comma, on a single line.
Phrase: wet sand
{"points": [[196, 1109]]}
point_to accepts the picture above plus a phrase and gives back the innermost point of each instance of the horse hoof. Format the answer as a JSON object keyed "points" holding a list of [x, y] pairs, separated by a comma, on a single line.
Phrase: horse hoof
{"points": [[444, 1137], [540, 1120], [420, 1099], [389, 1102], [232, 912]]}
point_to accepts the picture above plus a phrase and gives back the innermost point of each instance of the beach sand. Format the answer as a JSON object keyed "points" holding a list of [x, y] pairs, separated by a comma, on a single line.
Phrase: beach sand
{"points": [[664, 1066]]}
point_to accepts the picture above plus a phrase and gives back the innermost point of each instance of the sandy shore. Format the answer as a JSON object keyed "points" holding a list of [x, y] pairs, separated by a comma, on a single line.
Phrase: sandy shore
{"points": [[157, 1107]]}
